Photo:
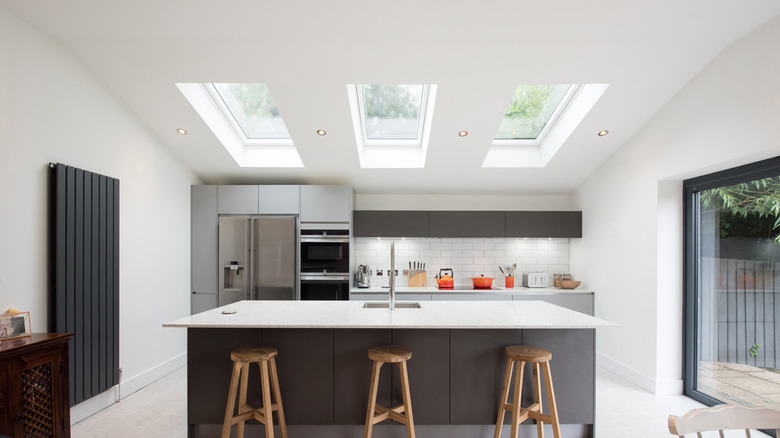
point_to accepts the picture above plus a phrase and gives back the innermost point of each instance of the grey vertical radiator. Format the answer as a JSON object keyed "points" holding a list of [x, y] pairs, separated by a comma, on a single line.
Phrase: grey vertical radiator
{"points": [[84, 280]]}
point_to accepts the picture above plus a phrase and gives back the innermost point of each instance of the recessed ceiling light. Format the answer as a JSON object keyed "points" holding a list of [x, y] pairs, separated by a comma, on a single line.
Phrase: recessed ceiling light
{"points": [[463, 133], [321, 132], [603, 133], [182, 131]]}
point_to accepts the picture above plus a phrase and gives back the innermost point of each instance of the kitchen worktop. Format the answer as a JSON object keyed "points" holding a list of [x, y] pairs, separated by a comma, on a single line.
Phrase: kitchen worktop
{"points": [[431, 314], [499, 289]]}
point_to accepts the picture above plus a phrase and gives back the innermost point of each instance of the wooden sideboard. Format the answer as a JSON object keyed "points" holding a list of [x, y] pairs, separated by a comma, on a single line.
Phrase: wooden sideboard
{"points": [[34, 392]]}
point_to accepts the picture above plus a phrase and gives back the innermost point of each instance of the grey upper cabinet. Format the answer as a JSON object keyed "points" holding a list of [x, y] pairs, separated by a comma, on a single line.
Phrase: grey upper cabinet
{"points": [[203, 234], [279, 199], [543, 224], [326, 203], [237, 200], [371, 223], [467, 223]]}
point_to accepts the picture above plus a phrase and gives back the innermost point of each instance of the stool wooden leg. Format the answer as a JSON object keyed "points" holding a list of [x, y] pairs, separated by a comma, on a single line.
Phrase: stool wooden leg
{"points": [[267, 408], [231, 401], [278, 398], [372, 399], [504, 396], [517, 398], [242, 398], [538, 399], [551, 401], [407, 399]]}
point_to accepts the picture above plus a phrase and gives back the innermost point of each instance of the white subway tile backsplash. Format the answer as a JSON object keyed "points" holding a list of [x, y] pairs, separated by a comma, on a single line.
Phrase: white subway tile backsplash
{"points": [[466, 257]]}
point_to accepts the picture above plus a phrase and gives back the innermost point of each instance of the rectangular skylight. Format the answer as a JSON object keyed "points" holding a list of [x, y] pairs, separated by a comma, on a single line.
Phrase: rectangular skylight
{"points": [[392, 123], [533, 110], [252, 109], [392, 112]]}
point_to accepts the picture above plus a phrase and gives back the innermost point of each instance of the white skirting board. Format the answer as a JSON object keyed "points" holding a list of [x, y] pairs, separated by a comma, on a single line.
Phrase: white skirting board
{"points": [[125, 388], [649, 384]]}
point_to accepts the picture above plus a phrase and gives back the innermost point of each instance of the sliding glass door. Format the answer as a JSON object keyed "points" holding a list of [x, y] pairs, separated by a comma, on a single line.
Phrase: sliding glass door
{"points": [[732, 286]]}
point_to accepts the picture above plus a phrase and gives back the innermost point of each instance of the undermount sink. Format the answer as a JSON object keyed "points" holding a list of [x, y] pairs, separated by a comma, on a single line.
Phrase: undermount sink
{"points": [[386, 305]]}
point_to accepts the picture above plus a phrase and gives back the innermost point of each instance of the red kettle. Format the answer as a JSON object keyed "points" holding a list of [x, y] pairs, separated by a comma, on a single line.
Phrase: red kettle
{"points": [[445, 280]]}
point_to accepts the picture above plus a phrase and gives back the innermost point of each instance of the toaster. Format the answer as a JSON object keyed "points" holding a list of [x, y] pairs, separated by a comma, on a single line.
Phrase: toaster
{"points": [[535, 279]]}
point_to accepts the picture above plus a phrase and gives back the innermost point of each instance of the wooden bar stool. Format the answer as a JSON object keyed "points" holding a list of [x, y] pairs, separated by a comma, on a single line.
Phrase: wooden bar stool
{"points": [[401, 413], [242, 357], [520, 354]]}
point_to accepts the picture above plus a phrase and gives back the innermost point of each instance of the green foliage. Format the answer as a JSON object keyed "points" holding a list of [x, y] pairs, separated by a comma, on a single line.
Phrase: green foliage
{"points": [[748, 208], [255, 100], [392, 101], [754, 349], [530, 109]]}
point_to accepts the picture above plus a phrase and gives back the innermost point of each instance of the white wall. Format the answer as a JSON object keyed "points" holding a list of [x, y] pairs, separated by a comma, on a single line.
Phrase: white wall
{"points": [[631, 250], [53, 110], [462, 202]]}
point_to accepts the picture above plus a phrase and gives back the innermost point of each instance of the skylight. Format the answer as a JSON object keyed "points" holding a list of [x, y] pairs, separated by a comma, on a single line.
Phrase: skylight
{"points": [[540, 118], [253, 109], [532, 109], [245, 119], [392, 123]]}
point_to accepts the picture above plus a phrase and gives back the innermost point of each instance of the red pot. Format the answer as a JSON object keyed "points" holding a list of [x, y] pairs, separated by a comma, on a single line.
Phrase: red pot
{"points": [[482, 281]]}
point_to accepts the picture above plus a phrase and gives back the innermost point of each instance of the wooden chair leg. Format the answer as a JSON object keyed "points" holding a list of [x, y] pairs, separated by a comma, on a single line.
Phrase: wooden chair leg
{"points": [[517, 398], [407, 399], [242, 398], [278, 398], [504, 396], [231, 401], [267, 406], [551, 400], [538, 399], [372, 399]]}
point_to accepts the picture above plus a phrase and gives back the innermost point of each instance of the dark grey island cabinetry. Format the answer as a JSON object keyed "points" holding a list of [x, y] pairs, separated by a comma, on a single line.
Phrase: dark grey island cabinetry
{"points": [[456, 370]]}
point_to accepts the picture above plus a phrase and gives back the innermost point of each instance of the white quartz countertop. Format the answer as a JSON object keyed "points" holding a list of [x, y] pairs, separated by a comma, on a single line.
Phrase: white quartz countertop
{"points": [[457, 290], [431, 314]]}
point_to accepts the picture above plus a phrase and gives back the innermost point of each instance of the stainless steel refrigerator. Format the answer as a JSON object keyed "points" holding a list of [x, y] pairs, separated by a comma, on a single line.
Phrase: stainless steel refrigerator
{"points": [[257, 258]]}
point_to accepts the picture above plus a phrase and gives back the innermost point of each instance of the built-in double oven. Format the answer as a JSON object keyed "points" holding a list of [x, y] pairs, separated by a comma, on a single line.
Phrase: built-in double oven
{"points": [[324, 264]]}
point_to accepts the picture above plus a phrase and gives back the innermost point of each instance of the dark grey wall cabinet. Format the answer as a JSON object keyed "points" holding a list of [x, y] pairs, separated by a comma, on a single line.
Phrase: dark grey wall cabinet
{"points": [[543, 224], [237, 200], [467, 223], [370, 223]]}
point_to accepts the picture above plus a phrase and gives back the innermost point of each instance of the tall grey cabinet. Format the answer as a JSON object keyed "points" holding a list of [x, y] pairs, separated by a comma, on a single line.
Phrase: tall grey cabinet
{"points": [[204, 221]]}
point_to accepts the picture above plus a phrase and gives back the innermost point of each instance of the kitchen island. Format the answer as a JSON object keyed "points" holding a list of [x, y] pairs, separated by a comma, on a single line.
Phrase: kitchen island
{"points": [[456, 370]]}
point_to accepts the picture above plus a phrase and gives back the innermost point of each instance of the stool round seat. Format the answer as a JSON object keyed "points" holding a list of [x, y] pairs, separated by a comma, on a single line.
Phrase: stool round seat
{"points": [[528, 353], [253, 354], [389, 354]]}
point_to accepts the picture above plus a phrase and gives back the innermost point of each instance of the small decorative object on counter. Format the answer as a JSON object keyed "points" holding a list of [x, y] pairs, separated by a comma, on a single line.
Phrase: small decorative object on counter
{"points": [[509, 281], [557, 280], [570, 284]]}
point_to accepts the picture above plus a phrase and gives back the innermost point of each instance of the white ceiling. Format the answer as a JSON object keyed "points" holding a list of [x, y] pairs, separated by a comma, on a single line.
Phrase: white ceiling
{"points": [[476, 51]]}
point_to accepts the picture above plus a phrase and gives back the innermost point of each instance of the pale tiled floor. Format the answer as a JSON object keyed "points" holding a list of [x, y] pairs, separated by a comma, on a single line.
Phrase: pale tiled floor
{"points": [[159, 410], [740, 383]]}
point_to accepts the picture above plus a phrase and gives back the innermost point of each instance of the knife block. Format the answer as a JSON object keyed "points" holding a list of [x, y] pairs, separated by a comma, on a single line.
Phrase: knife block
{"points": [[419, 279]]}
